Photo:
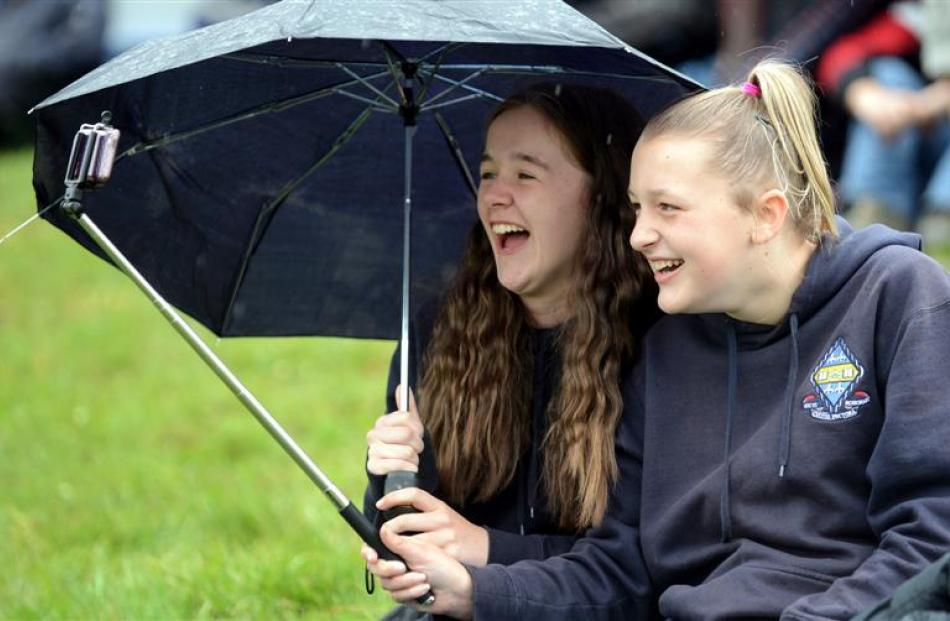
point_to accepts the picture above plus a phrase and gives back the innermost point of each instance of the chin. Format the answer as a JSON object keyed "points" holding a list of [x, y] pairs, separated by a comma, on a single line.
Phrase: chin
{"points": [[673, 307]]}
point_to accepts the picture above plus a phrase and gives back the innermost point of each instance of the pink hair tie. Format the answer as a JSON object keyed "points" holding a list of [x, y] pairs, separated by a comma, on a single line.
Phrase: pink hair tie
{"points": [[751, 89]]}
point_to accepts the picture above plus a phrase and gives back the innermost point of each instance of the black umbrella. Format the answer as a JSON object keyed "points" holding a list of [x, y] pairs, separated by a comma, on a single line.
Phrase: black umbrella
{"points": [[267, 164]]}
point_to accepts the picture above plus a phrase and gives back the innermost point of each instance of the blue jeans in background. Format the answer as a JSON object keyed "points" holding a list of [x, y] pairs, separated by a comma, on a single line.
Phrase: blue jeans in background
{"points": [[908, 174]]}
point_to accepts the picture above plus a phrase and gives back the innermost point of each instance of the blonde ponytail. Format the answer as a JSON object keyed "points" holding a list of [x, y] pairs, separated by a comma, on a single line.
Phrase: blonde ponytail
{"points": [[764, 134], [790, 107]]}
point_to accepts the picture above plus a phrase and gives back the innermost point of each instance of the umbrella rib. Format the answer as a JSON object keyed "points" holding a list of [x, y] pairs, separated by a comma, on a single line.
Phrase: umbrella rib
{"points": [[268, 108], [375, 104], [287, 61], [472, 89], [367, 84], [445, 49], [388, 50], [455, 84], [450, 102], [266, 214], [457, 152], [552, 69]]}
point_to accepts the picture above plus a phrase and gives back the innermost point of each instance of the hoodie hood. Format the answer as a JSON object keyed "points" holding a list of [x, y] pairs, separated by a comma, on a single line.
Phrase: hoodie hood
{"points": [[837, 260]]}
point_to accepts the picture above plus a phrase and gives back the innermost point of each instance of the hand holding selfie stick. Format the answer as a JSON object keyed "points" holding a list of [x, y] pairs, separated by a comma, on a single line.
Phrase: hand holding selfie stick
{"points": [[90, 166]]}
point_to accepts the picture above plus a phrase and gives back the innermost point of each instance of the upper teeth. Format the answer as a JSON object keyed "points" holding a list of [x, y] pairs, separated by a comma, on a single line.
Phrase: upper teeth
{"points": [[501, 229], [665, 263]]}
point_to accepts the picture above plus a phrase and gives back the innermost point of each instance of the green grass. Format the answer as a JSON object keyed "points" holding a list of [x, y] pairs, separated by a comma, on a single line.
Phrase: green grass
{"points": [[133, 484]]}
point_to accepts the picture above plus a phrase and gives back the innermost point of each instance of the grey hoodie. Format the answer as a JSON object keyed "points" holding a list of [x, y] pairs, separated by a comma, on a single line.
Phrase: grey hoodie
{"points": [[799, 470]]}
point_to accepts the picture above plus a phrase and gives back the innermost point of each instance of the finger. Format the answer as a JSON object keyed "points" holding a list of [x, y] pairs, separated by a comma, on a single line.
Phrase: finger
{"points": [[413, 554], [401, 419], [385, 466], [405, 581], [415, 523], [369, 554], [438, 537], [409, 596], [381, 450], [420, 499], [399, 405], [392, 419], [413, 408], [387, 569], [396, 434]]}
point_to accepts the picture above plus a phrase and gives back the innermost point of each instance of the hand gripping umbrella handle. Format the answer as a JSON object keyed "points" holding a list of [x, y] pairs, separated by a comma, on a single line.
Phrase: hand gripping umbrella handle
{"points": [[399, 479], [369, 534]]}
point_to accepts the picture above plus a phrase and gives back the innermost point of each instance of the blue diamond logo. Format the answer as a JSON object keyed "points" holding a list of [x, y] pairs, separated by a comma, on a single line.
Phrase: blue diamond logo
{"points": [[836, 375]]}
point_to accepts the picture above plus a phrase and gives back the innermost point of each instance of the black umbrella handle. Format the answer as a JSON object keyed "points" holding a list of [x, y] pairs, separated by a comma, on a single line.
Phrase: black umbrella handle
{"points": [[370, 535], [396, 480]]}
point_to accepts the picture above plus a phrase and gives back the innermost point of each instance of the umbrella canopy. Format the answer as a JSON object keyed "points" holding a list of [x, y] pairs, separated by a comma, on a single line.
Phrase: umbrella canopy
{"points": [[260, 181]]}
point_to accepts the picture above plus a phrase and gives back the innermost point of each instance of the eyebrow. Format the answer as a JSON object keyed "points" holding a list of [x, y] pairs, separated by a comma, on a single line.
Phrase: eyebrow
{"points": [[524, 157], [654, 194]]}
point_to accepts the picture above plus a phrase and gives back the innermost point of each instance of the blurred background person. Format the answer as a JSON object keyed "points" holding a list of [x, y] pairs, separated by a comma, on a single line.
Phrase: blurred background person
{"points": [[47, 44], [43, 46], [716, 42], [893, 78]]}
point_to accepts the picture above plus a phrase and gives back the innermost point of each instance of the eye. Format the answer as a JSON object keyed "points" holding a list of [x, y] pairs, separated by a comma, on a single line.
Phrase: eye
{"points": [[486, 175], [636, 208], [525, 175], [667, 207]]}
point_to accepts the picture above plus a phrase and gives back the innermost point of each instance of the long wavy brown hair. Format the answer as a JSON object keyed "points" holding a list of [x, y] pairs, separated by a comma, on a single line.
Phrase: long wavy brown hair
{"points": [[475, 394]]}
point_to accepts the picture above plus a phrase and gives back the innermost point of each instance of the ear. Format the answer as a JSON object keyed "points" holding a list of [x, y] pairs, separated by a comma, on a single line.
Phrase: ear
{"points": [[769, 212]]}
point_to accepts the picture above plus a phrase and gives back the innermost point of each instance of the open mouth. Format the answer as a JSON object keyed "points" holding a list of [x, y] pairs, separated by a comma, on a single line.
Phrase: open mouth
{"points": [[665, 267], [510, 236]]}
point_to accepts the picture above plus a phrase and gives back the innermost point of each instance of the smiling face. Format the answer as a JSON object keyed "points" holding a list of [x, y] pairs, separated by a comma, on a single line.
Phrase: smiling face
{"points": [[532, 202], [697, 239]]}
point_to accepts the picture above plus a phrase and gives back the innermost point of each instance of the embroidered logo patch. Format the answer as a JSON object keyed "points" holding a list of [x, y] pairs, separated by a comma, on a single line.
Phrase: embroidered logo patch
{"points": [[835, 379]]}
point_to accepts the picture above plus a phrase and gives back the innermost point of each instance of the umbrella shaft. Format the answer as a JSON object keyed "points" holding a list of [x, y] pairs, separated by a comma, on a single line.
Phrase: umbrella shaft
{"points": [[223, 372], [406, 246]]}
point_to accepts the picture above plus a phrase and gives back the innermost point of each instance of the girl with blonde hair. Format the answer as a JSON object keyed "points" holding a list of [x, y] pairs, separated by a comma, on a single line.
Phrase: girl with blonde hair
{"points": [[785, 452]]}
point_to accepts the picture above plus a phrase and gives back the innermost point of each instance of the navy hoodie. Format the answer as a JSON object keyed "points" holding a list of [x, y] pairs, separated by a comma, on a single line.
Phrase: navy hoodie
{"points": [[517, 518], [799, 471]]}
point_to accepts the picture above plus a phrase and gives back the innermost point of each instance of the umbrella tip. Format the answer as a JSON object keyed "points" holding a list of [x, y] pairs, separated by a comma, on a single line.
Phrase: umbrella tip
{"points": [[610, 138], [557, 89]]}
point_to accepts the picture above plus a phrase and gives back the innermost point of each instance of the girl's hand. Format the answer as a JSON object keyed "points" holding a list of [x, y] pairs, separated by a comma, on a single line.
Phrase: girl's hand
{"points": [[432, 570], [395, 441], [438, 524]]}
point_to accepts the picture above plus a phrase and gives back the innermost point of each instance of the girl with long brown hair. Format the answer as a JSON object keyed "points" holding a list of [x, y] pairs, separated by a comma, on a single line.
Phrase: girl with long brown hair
{"points": [[521, 362]]}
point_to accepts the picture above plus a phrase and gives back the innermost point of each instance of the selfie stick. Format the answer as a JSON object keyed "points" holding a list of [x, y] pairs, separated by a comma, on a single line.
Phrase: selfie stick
{"points": [[90, 166]]}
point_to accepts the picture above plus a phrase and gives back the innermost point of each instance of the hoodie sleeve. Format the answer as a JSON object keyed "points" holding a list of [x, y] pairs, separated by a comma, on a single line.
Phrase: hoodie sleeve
{"points": [[909, 470], [602, 577]]}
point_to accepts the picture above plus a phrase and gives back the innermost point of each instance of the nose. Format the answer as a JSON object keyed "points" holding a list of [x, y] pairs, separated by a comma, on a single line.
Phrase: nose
{"points": [[644, 233], [495, 192]]}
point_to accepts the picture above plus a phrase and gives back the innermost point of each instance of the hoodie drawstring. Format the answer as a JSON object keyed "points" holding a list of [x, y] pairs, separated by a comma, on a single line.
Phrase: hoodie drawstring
{"points": [[724, 501], [785, 438], [785, 441]]}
